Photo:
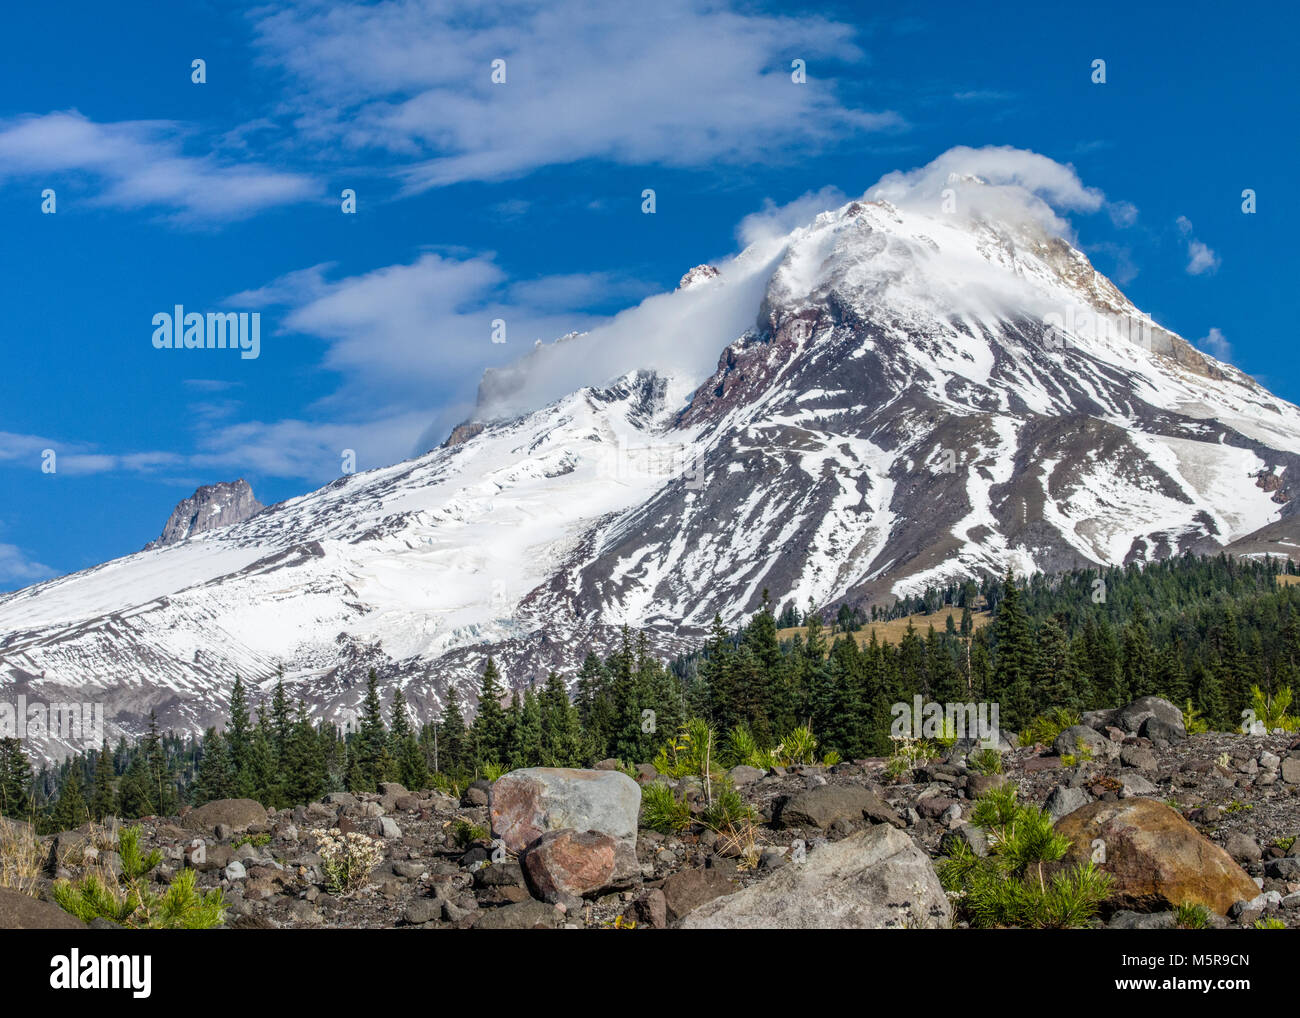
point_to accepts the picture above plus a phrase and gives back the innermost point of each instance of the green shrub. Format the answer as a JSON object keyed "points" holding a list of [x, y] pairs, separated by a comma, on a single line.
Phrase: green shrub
{"points": [[1010, 887], [466, 833], [742, 748], [1193, 722], [1272, 709], [1044, 729], [662, 811], [691, 753], [985, 761], [256, 840], [727, 810], [1191, 916], [130, 902]]}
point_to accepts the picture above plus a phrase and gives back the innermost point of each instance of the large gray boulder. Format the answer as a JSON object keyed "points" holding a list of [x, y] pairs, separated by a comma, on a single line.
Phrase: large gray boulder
{"points": [[525, 804], [1132, 717], [21, 912], [874, 879], [1080, 739]]}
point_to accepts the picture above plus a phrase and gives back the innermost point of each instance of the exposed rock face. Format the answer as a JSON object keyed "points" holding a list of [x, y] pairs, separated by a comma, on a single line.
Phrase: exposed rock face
{"points": [[875, 879], [699, 274], [526, 804], [1156, 859], [22, 912], [211, 507]]}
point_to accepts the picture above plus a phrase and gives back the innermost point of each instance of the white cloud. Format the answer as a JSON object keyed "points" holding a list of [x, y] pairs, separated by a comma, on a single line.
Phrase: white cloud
{"points": [[1122, 213], [1017, 185], [408, 328], [1200, 257], [1216, 345], [775, 221], [140, 164], [680, 83], [15, 566]]}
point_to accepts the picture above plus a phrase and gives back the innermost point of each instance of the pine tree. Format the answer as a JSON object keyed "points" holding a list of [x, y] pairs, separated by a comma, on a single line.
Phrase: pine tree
{"points": [[1209, 697], [717, 674], [453, 754], [527, 750], [488, 730], [1055, 683], [561, 732], [372, 737], [136, 789], [306, 770], [412, 770], [1013, 656], [216, 778], [161, 793], [70, 810], [239, 731], [281, 721], [103, 802], [15, 779]]}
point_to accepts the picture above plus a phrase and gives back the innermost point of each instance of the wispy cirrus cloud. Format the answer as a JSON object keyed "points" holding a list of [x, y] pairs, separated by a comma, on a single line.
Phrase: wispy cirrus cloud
{"points": [[17, 568], [141, 164], [683, 83]]}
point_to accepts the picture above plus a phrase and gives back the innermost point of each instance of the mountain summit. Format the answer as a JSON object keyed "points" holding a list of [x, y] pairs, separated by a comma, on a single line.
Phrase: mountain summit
{"points": [[210, 507], [905, 391]]}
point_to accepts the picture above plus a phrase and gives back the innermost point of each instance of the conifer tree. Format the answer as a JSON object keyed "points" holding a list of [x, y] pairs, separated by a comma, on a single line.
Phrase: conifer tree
{"points": [[561, 734], [15, 779], [70, 810], [372, 737], [453, 755], [1014, 656], [216, 778], [103, 802], [488, 730]]}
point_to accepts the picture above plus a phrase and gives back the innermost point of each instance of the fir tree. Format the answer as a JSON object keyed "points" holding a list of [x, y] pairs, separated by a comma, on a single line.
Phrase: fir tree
{"points": [[488, 731], [103, 802], [453, 755], [70, 810], [15, 779], [216, 778]]}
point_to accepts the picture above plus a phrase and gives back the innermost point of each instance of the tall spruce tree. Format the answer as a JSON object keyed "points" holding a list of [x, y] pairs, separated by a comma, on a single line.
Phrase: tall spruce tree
{"points": [[488, 730]]}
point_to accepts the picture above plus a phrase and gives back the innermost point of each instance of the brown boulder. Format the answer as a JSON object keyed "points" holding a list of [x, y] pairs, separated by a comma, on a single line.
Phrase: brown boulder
{"points": [[237, 814], [688, 890], [1155, 858], [568, 863]]}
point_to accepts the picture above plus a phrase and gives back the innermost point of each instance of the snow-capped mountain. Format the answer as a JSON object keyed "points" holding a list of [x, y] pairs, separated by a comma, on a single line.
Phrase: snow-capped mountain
{"points": [[906, 395]]}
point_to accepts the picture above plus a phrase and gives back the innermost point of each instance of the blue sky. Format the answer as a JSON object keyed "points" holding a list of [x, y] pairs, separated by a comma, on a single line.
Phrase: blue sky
{"points": [[522, 201]]}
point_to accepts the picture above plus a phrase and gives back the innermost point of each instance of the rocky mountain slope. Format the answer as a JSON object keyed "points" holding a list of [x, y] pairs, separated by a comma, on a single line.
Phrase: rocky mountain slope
{"points": [[912, 395], [1208, 819]]}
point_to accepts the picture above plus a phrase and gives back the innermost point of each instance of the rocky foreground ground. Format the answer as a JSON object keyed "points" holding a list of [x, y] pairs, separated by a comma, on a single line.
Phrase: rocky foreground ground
{"points": [[1208, 818]]}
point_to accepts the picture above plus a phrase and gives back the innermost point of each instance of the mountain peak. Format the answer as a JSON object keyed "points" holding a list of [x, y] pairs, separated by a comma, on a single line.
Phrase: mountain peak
{"points": [[211, 507]]}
